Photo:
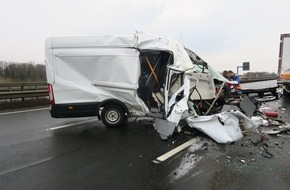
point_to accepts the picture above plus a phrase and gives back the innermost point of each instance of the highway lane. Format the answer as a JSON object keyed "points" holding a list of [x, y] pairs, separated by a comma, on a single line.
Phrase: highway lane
{"points": [[81, 156], [88, 155]]}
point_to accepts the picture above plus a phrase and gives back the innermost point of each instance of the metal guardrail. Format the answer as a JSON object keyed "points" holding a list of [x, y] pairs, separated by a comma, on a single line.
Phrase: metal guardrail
{"points": [[21, 90], [248, 80]]}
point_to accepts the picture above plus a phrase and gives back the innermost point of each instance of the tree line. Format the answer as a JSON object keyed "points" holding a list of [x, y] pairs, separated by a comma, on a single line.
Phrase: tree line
{"points": [[28, 72], [21, 72], [259, 75]]}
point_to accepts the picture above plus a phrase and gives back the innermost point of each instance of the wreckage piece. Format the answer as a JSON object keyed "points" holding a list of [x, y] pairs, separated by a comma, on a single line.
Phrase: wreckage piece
{"points": [[272, 125], [223, 127], [271, 114], [273, 130], [247, 124], [263, 95], [217, 96], [267, 154], [227, 107], [246, 105], [165, 128]]}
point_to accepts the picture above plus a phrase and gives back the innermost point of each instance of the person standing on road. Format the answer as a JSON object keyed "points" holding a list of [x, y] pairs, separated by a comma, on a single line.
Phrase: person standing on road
{"points": [[235, 77]]}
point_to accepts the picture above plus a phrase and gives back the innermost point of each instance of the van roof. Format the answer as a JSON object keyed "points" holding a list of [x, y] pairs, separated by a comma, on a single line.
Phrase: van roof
{"points": [[90, 41], [139, 41]]}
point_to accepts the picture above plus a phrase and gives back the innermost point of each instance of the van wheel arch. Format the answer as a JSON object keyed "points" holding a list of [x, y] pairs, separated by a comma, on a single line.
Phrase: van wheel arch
{"points": [[113, 106]]}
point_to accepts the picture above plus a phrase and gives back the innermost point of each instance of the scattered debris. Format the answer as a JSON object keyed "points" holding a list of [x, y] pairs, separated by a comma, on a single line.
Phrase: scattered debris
{"points": [[283, 135], [266, 154], [273, 122], [275, 129], [188, 133], [271, 114]]}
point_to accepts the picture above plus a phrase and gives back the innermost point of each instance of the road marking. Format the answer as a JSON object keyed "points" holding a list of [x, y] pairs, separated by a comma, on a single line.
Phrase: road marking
{"points": [[174, 151], [69, 125], [23, 111], [25, 166]]}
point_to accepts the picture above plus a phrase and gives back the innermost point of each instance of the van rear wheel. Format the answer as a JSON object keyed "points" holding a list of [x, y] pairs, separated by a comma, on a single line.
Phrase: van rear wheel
{"points": [[113, 116]]}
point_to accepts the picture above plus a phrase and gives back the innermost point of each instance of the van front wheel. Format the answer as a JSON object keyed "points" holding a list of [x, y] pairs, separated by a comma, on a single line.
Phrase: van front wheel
{"points": [[113, 116]]}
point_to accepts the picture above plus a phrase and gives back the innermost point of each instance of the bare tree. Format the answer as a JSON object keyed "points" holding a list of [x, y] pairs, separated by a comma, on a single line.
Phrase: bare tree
{"points": [[11, 71]]}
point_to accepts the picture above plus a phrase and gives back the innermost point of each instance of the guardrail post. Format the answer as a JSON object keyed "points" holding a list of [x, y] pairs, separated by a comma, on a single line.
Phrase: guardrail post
{"points": [[22, 89], [36, 89]]}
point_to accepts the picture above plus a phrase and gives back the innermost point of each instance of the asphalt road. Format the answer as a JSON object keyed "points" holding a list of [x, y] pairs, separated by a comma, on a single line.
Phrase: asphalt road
{"points": [[39, 152]]}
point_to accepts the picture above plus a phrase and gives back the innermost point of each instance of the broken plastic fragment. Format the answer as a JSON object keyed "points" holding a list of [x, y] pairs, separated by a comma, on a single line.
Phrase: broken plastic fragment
{"points": [[271, 114], [283, 135], [258, 120], [267, 154], [275, 129]]}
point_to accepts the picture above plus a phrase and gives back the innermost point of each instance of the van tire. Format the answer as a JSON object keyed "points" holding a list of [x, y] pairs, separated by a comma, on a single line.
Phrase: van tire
{"points": [[113, 115]]}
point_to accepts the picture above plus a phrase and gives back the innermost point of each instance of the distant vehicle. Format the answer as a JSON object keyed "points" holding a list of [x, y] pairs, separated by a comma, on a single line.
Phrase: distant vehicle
{"points": [[284, 63]]}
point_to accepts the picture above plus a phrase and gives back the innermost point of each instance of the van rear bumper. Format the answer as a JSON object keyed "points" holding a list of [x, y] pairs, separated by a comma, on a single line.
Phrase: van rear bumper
{"points": [[74, 110]]}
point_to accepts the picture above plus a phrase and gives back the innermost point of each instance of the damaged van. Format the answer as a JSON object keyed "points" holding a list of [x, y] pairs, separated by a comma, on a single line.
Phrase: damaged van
{"points": [[115, 77]]}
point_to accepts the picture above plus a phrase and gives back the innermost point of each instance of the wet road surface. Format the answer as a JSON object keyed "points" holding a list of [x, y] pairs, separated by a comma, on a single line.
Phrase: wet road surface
{"points": [[39, 152]]}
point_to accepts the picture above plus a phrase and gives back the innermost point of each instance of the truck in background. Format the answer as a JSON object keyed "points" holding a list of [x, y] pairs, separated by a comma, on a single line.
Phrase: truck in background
{"points": [[284, 63]]}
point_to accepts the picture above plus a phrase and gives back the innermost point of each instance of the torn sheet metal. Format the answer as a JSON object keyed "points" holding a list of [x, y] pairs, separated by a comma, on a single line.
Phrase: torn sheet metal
{"points": [[165, 128], [259, 120], [246, 123], [181, 58], [223, 127], [178, 108]]}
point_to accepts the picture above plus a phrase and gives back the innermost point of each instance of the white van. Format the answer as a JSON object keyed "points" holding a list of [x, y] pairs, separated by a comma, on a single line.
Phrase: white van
{"points": [[113, 77]]}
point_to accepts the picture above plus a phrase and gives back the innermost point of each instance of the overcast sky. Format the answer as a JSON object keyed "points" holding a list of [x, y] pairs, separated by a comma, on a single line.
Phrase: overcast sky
{"points": [[224, 33]]}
